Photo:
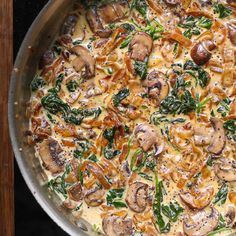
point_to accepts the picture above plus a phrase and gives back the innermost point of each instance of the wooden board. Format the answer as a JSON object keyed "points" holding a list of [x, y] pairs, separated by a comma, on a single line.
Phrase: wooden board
{"points": [[6, 157]]}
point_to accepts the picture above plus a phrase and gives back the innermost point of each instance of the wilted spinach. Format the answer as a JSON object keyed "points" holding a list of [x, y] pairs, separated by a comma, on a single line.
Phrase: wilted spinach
{"points": [[114, 197], [72, 86], [172, 211], [230, 128], [140, 6], [224, 107], [222, 10], [121, 95], [37, 83], [221, 196], [141, 68]]}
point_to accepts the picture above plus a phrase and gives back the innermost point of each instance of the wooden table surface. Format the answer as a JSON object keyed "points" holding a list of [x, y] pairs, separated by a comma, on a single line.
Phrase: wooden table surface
{"points": [[6, 157]]}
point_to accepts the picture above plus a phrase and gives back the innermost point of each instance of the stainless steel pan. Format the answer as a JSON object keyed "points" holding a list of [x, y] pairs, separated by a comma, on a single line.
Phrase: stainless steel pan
{"points": [[39, 37]]}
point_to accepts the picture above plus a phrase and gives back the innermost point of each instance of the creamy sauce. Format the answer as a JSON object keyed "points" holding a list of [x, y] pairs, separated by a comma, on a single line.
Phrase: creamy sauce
{"points": [[181, 164]]}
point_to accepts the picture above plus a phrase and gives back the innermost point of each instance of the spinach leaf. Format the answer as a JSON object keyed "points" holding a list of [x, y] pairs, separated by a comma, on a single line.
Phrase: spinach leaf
{"points": [[197, 72], [201, 104], [109, 134], [72, 86], [172, 211], [230, 128], [121, 95], [57, 87], [140, 6], [93, 158], [145, 176], [157, 208], [222, 10], [220, 227], [37, 83], [59, 184], [141, 68], [151, 164], [109, 153], [114, 197], [210, 161], [126, 42], [221, 196], [224, 107], [53, 104], [193, 25]]}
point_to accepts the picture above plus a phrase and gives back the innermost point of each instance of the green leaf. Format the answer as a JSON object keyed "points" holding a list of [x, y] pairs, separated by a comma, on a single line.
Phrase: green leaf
{"points": [[72, 86], [172, 211], [37, 83], [109, 153], [109, 134], [230, 128], [204, 23], [114, 197], [222, 10], [221, 196], [224, 107], [121, 95], [140, 6], [126, 42], [141, 68], [145, 176]]}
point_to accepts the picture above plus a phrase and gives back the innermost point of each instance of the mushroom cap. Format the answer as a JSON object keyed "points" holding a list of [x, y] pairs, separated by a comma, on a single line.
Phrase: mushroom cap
{"points": [[69, 25], [157, 86], [172, 3], [218, 138], [141, 46], [83, 60], [200, 52], [94, 197], [201, 200], [117, 226], [201, 223], [225, 169], [146, 135], [232, 33], [76, 192], [113, 12], [136, 196], [47, 59], [50, 153], [202, 135]]}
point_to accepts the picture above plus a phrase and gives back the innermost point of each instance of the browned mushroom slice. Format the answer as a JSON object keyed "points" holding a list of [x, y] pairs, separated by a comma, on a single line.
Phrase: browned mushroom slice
{"points": [[141, 46], [200, 53], [47, 59], [202, 136], [136, 196], [172, 3], [94, 197], [96, 24], [69, 25], [84, 60], [201, 200], [76, 192], [218, 137], [232, 33], [201, 223], [117, 226], [230, 215], [147, 136], [93, 91], [113, 12], [231, 3], [225, 169], [50, 153], [157, 86]]}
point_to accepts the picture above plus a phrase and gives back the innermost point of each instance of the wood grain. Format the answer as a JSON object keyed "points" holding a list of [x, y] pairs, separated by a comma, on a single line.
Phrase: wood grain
{"points": [[6, 157]]}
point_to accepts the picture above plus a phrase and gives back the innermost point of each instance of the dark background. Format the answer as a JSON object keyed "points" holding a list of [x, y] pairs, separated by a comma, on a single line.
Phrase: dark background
{"points": [[30, 219]]}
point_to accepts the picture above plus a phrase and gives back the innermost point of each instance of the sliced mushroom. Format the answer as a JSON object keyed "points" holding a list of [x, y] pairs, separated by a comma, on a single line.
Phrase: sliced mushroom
{"points": [[147, 136], [202, 136], [231, 3], [117, 226], [69, 25], [93, 91], [225, 169], [157, 86], [83, 60], [201, 200], [76, 192], [96, 24], [113, 12], [141, 46], [50, 153], [230, 215], [201, 223], [200, 53], [172, 3], [47, 59], [232, 33], [136, 197], [94, 197], [218, 137]]}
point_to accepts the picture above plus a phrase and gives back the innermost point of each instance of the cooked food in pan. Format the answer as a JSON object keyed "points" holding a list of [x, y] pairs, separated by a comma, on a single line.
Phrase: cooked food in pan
{"points": [[133, 116]]}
